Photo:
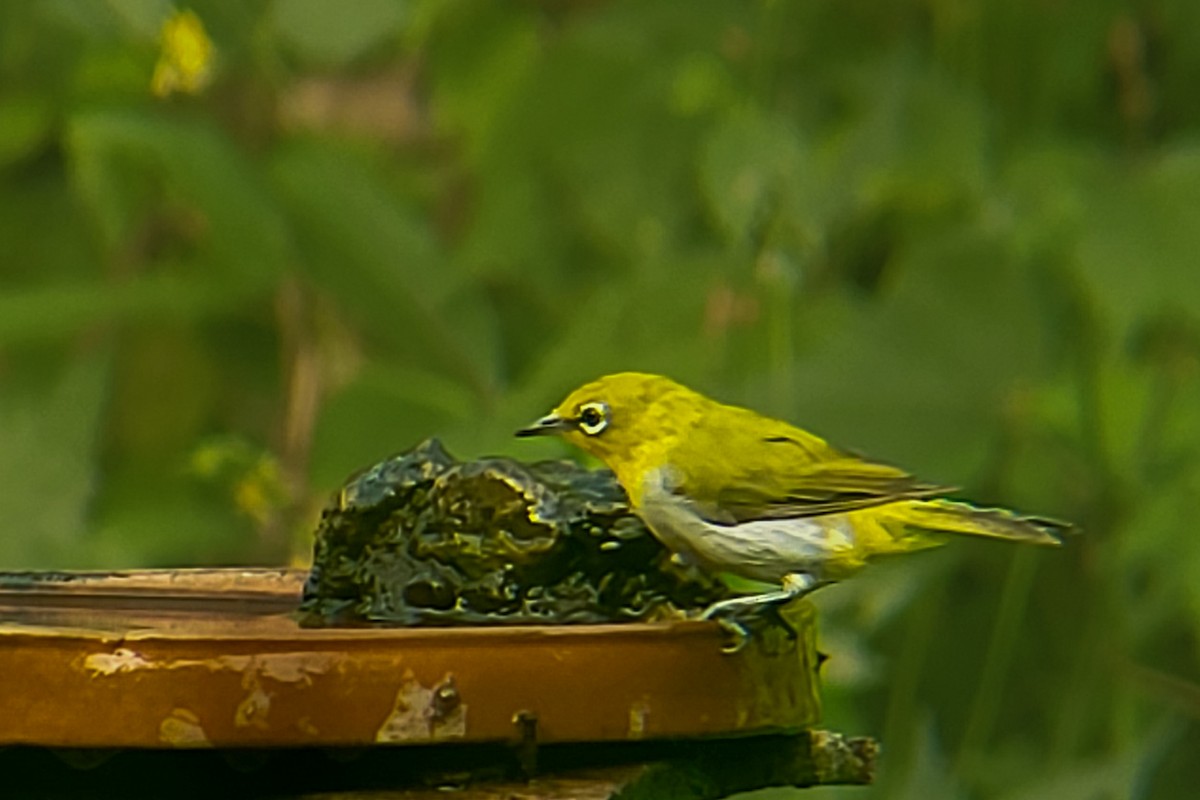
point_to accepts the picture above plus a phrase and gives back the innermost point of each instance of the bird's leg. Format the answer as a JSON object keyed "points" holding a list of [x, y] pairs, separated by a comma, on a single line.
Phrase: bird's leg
{"points": [[727, 612], [796, 584]]}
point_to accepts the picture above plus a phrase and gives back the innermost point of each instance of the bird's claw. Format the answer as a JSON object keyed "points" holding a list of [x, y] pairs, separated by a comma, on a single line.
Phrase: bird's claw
{"points": [[741, 617], [741, 622], [738, 635]]}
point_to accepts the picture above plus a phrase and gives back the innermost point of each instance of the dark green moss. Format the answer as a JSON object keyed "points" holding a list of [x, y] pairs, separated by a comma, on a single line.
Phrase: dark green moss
{"points": [[422, 538]]}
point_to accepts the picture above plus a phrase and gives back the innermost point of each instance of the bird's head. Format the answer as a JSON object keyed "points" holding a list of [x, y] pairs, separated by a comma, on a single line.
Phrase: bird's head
{"points": [[616, 417]]}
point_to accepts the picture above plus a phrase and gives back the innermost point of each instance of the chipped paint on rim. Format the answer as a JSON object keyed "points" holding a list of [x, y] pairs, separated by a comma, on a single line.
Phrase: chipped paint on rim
{"points": [[282, 667], [182, 728], [424, 714], [639, 716]]}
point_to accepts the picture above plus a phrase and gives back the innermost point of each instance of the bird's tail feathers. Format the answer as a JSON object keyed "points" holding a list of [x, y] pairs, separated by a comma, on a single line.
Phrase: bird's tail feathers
{"points": [[947, 516]]}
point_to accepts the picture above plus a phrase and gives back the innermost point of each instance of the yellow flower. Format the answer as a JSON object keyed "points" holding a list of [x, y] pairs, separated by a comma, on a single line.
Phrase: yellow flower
{"points": [[253, 479], [729, 490], [260, 491], [185, 62]]}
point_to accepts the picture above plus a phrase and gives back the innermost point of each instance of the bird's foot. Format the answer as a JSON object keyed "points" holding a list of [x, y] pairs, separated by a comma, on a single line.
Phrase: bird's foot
{"points": [[743, 623], [794, 585], [741, 616], [737, 634]]}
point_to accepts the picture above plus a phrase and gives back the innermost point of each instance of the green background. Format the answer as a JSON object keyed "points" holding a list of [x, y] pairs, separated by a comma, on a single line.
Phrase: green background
{"points": [[960, 235]]}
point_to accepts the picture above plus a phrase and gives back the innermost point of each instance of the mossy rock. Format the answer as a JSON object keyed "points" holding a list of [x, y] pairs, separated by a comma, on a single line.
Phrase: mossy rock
{"points": [[422, 538]]}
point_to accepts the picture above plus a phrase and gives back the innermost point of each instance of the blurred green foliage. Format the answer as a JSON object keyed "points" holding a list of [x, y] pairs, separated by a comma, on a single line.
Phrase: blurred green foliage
{"points": [[959, 235]]}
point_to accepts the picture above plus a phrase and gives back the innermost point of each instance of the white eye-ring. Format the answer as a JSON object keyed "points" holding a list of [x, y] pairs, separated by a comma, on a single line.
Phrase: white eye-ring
{"points": [[593, 418]]}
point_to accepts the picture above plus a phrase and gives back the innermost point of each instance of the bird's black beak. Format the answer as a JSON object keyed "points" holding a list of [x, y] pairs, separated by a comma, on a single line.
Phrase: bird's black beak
{"points": [[547, 425]]}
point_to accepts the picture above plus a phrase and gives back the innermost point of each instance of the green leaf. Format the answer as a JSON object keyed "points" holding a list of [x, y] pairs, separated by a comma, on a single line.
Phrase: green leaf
{"points": [[333, 35], [918, 143], [624, 160], [1153, 590], [26, 126], [143, 18], [482, 55], [48, 464], [365, 245], [387, 408], [746, 162], [159, 516], [44, 232], [128, 165], [62, 309], [152, 419], [1122, 773], [921, 376], [1140, 237]]}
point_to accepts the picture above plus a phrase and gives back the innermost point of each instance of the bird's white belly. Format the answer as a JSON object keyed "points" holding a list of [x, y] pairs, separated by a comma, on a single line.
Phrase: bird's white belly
{"points": [[763, 550]]}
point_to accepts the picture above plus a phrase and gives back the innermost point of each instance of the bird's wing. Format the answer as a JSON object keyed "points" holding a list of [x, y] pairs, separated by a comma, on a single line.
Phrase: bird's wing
{"points": [[779, 485]]}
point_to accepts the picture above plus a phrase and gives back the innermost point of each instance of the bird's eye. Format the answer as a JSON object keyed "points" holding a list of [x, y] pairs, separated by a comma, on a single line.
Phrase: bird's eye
{"points": [[593, 418]]}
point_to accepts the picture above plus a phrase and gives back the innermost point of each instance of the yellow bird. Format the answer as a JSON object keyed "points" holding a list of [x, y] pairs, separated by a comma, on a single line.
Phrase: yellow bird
{"points": [[730, 490]]}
